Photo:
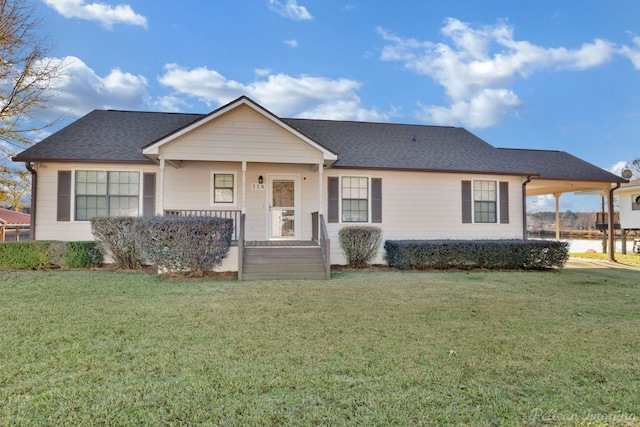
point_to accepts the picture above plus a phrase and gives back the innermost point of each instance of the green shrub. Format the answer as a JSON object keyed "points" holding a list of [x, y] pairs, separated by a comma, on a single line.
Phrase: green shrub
{"points": [[44, 254], [360, 244], [466, 254], [118, 238], [83, 254], [31, 255], [185, 245]]}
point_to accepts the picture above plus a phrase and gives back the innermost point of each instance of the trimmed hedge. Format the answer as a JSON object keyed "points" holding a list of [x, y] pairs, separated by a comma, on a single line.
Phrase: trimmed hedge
{"points": [[44, 254], [468, 254]]}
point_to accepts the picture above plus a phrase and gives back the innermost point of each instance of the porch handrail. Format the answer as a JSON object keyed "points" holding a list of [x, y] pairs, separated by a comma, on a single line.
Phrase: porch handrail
{"points": [[241, 245], [321, 235], [314, 226], [219, 213]]}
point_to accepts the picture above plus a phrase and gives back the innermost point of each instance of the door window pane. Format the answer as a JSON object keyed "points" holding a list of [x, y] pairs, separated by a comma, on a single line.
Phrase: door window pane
{"points": [[283, 194]]}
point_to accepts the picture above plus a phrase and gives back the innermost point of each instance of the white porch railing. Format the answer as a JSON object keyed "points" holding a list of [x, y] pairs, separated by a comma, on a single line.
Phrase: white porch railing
{"points": [[228, 214]]}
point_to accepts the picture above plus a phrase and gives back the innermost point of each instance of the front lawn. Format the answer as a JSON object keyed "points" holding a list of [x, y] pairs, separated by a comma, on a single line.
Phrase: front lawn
{"points": [[632, 259], [371, 348]]}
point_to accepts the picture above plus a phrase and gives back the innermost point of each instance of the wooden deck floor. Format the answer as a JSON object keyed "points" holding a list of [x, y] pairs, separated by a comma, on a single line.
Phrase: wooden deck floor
{"points": [[279, 243]]}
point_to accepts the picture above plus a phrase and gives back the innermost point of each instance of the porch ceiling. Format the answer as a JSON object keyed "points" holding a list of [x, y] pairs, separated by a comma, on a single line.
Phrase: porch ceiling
{"points": [[539, 187]]}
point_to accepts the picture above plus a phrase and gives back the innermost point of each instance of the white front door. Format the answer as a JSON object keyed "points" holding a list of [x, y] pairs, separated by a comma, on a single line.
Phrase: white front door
{"points": [[283, 207]]}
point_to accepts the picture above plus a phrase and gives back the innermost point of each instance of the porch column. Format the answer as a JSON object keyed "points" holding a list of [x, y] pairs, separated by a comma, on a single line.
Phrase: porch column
{"points": [[244, 187], [320, 179], [557, 196], [161, 186]]}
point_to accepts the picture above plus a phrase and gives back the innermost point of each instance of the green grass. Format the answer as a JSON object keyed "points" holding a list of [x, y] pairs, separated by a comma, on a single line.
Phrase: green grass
{"points": [[371, 348], [632, 259]]}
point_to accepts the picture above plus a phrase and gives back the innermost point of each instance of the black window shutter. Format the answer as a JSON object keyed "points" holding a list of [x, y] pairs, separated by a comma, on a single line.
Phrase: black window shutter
{"points": [[333, 191], [466, 202], [64, 196], [376, 200], [149, 195], [504, 203]]}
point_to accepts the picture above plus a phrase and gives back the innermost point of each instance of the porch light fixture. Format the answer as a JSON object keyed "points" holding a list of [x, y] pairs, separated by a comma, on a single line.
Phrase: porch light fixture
{"points": [[260, 179]]}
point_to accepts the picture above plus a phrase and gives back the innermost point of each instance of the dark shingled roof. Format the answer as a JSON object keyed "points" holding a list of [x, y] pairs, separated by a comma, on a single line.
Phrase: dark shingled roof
{"points": [[107, 136], [119, 136], [550, 164], [406, 147]]}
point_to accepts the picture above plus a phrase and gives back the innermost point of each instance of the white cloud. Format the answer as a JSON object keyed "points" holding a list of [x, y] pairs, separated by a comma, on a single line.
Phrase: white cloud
{"points": [[486, 108], [477, 66], [284, 95], [81, 90], [262, 72], [618, 167], [633, 53], [290, 9], [107, 15], [544, 203], [292, 42]]}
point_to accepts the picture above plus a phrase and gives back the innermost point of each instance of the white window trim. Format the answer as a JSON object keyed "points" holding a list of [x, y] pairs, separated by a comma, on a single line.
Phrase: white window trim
{"points": [[368, 221], [473, 202], [212, 189], [74, 195]]}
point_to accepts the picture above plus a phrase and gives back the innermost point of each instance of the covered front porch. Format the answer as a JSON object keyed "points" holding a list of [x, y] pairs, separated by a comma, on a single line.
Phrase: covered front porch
{"points": [[275, 258]]}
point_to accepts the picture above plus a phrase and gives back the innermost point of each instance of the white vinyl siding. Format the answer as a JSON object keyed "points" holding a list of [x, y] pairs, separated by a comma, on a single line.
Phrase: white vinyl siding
{"points": [[426, 205], [239, 135]]}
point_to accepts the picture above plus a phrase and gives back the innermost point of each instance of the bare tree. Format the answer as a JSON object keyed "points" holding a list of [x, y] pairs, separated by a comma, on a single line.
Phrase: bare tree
{"points": [[27, 75], [634, 167]]}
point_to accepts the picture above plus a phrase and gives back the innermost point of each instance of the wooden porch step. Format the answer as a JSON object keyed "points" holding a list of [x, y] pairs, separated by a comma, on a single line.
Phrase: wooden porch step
{"points": [[263, 262]]}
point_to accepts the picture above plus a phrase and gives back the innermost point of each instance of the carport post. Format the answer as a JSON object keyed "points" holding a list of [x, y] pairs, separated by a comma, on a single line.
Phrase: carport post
{"points": [[612, 237]]}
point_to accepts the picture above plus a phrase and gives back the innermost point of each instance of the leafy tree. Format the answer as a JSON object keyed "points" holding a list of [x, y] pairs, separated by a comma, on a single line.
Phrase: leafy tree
{"points": [[15, 185]]}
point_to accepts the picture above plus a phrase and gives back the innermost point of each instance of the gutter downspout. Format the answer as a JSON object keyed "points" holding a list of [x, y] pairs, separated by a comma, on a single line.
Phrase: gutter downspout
{"points": [[34, 198], [612, 242], [524, 207]]}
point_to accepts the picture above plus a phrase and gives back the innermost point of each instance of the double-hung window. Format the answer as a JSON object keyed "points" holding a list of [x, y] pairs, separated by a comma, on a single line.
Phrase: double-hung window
{"points": [[223, 188], [106, 193], [485, 201], [355, 199], [223, 185]]}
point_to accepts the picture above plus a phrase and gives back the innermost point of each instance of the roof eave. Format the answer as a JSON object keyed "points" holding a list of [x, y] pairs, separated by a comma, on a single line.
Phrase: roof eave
{"points": [[71, 160], [431, 170]]}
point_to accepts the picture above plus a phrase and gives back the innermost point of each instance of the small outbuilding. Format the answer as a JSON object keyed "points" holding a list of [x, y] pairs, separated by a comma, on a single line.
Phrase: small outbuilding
{"points": [[14, 222]]}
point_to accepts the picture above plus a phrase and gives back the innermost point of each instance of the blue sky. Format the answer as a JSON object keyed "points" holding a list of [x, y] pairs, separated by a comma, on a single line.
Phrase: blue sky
{"points": [[560, 74]]}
